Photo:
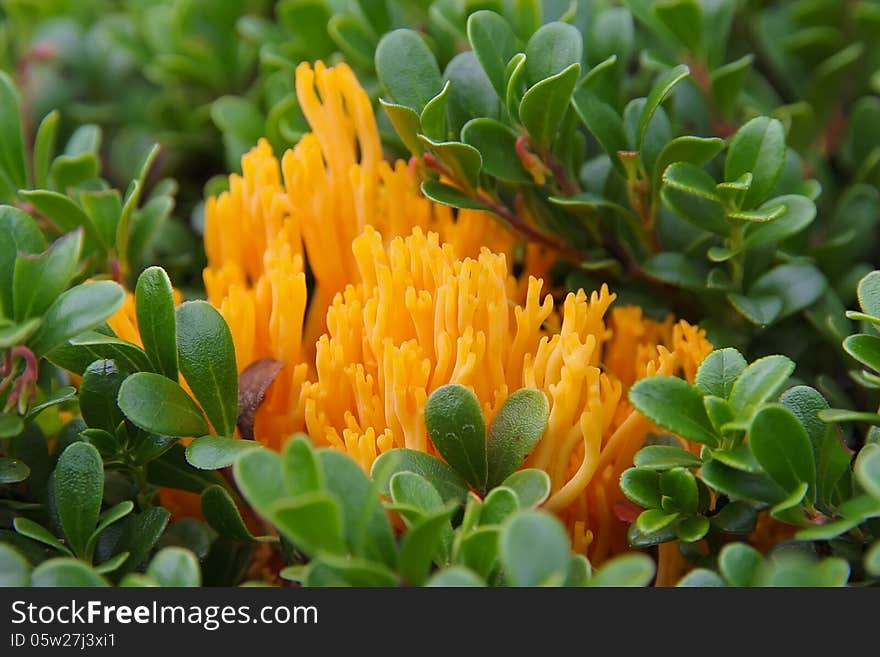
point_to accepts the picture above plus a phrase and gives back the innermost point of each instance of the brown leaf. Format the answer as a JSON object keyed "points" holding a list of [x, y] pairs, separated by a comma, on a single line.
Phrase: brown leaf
{"points": [[253, 383]]}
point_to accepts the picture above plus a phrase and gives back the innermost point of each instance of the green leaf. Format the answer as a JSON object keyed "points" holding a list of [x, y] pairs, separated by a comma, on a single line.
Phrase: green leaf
{"points": [[806, 403], [739, 563], [869, 294], [684, 19], [758, 310], [76, 311], [496, 143], [433, 117], [38, 533], [693, 529], [12, 162], [65, 214], [12, 470], [872, 560], [23, 236], [366, 528], [678, 487], [15, 334], [727, 82], [479, 550], [693, 150], [90, 346], [38, 280], [44, 148], [110, 516], [175, 567], [867, 470], [451, 196], [407, 125], [757, 148], [604, 122], [222, 515], [760, 381], [544, 105], [780, 444], [456, 427], [159, 405], [690, 178], [516, 429], [97, 395], [66, 572], [260, 478], [579, 572], [302, 472], [736, 518], [531, 485], [675, 405], [700, 578], [719, 371], [664, 457], [625, 570], [799, 212], [154, 302], [451, 486], [14, 568], [104, 208], [796, 286], [865, 349], [462, 160], [407, 69], [10, 425], [659, 92], [313, 521], [414, 490], [79, 488], [500, 503], [553, 48], [140, 533], [534, 549], [112, 563], [642, 487], [493, 43], [348, 571], [470, 95], [653, 521], [740, 485], [207, 361], [60, 396], [455, 577], [354, 38], [216, 452], [676, 269], [420, 544]]}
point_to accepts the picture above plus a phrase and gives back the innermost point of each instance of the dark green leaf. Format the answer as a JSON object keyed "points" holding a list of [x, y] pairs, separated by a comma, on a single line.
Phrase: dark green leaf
{"points": [[66, 572], [759, 382], [642, 487], [471, 94], [76, 311], [12, 162], [207, 361], [456, 427], [757, 148], [659, 92], [221, 513], [719, 371], [780, 444], [215, 452], [159, 405], [739, 485], [448, 482], [448, 195], [675, 405], [12, 471], [497, 146], [154, 298], [407, 69], [79, 488], [664, 457], [493, 43], [39, 279], [516, 429], [552, 49], [544, 105], [97, 395], [419, 546]]}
